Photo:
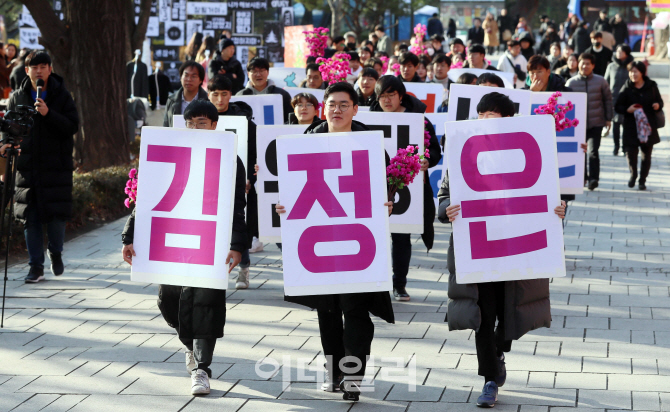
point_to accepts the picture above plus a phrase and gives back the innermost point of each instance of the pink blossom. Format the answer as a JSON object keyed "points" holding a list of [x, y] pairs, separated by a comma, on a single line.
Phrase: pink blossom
{"points": [[127, 203], [132, 174]]}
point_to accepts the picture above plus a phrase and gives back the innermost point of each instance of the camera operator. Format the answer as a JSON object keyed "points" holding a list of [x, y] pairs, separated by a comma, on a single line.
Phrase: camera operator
{"points": [[44, 169]]}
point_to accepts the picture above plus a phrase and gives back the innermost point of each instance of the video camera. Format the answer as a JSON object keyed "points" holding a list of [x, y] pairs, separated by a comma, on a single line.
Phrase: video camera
{"points": [[17, 124]]}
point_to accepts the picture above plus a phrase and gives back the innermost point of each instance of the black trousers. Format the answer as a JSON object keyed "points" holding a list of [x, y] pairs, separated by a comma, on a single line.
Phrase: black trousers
{"points": [[346, 343], [645, 164], [593, 136], [616, 134], [490, 340], [401, 253], [203, 352]]}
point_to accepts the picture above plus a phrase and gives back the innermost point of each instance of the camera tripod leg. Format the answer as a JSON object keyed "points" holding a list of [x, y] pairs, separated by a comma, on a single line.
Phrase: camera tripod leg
{"points": [[7, 196]]}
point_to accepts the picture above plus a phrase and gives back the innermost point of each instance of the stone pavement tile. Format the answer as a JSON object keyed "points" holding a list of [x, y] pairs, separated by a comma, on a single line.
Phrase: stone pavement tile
{"points": [[516, 361], [609, 399], [88, 369], [641, 324], [533, 408], [592, 349], [607, 365], [533, 396], [9, 401], [664, 366], [457, 378], [646, 401], [309, 391], [581, 381], [649, 302], [128, 354], [645, 337], [440, 331], [210, 403], [541, 380], [459, 347], [170, 385], [78, 340], [561, 409], [639, 383], [604, 335], [419, 393], [40, 367], [64, 403], [458, 407], [281, 342], [77, 385], [256, 389], [437, 361], [112, 403], [597, 300], [16, 383], [567, 310], [117, 314], [553, 334], [259, 405], [660, 313], [36, 403], [547, 348], [645, 367], [379, 405], [247, 371], [627, 350]]}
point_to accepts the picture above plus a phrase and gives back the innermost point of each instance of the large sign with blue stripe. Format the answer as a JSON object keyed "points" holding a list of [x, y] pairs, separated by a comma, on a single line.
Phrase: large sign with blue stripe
{"points": [[268, 108]]}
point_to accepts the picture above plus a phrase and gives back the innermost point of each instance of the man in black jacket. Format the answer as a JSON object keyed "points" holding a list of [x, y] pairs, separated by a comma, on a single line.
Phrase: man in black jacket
{"points": [[602, 54], [198, 314], [345, 344], [603, 23], [258, 71], [393, 97], [191, 76], [228, 65], [219, 93], [476, 33], [619, 29], [44, 169], [408, 63], [476, 58]]}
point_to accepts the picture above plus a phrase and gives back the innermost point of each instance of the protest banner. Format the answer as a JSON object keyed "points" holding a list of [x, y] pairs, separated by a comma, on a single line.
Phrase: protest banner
{"points": [[507, 78], [570, 155], [287, 76], [464, 98], [335, 230], [184, 211], [431, 94], [268, 108], [401, 130], [504, 175], [318, 93], [267, 185], [174, 33], [295, 46], [235, 124], [435, 172]]}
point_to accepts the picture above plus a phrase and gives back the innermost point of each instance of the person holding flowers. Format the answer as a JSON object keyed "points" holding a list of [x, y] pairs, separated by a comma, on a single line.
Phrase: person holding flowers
{"points": [[392, 97], [478, 305]]}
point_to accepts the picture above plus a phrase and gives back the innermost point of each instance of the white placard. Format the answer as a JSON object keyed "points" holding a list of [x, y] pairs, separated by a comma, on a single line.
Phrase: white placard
{"points": [[198, 8], [570, 155], [401, 130], [287, 76], [193, 26], [268, 108], [464, 98], [174, 33], [235, 124], [318, 93], [26, 19], [504, 174], [163, 10], [29, 38], [153, 28], [435, 172], [267, 185], [507, 78], [335, 230], [186, 190], [431, 94]]}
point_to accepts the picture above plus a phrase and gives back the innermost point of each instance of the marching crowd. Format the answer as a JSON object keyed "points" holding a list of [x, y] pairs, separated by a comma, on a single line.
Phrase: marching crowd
{"points": [[569, 58]]}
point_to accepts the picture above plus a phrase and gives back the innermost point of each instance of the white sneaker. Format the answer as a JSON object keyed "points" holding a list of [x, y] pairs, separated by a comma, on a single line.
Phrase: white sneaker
{"points": [[190, 361], [256, 246], [242, 279], [199, 382]]}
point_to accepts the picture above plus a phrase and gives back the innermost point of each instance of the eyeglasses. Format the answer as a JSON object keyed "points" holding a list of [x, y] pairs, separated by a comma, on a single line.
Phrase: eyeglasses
{"points": [[333, 107], [197, 125], [304, 105], [388, 96], [259, 72]]}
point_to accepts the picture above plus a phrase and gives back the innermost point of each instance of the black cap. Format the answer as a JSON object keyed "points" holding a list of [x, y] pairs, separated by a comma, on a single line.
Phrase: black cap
{"points": [[225, 43]]}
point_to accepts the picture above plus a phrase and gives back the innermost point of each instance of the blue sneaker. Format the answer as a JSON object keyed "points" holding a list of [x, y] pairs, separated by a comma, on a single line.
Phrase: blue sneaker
{"points": [[489, 395], [500, 379]]}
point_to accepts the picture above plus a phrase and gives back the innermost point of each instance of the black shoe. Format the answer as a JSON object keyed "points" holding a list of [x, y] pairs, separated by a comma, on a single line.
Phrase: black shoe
{"points": [[57, 267], [35, 275], [400, 294], [592, 184], [351, 388], [616, 152], [642, 186], [631, 181], [502, 377]]}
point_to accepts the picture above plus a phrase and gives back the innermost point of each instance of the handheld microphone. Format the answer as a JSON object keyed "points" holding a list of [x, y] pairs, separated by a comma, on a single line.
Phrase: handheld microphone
{"points": [[40, 84]]}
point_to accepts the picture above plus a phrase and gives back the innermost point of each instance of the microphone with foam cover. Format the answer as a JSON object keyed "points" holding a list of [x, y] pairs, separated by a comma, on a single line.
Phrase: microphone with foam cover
{"points": [[40, 84]]}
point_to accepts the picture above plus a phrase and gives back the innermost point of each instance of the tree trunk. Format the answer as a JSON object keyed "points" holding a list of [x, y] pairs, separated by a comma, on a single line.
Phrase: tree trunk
{"points": [[94, 72], [336, 15]]}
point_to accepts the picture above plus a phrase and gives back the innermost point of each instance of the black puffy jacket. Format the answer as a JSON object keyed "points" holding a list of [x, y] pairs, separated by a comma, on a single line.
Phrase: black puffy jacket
{"points": [[44, 169], [646, 96]]}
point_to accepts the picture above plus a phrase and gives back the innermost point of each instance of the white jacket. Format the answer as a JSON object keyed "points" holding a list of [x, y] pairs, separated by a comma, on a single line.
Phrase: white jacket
{"points": [[505, 66]]}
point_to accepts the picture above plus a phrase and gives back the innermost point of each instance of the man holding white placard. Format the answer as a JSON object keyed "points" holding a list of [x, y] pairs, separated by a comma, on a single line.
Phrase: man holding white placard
{"points": [[258, 71], [478, 297], [197, 313], [346, 344]]}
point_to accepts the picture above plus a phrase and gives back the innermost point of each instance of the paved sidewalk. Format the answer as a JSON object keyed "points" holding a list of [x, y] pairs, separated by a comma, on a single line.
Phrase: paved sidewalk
{"points": [[92, 340]]}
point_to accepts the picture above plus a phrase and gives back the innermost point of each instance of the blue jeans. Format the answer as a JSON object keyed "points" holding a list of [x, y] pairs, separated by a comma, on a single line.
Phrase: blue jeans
{"points": [[246, 259], [35, 237]]}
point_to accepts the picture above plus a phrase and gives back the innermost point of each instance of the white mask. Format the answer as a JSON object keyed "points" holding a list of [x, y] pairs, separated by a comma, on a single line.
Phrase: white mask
{"points": [[430, 51]]}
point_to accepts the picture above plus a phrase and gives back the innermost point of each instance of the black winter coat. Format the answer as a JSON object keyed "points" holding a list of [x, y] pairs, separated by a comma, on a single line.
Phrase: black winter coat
{"points": [[272, 89], [232, 67], [547, 40], [174, 105], [199, 313], [580, 40], [475, 36], [646, 96], [163, 91], [603, 59], [620, 31], [377, 303], [17, 76], [414, 105], [44, 169], [140, 82], [366, 101]]}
